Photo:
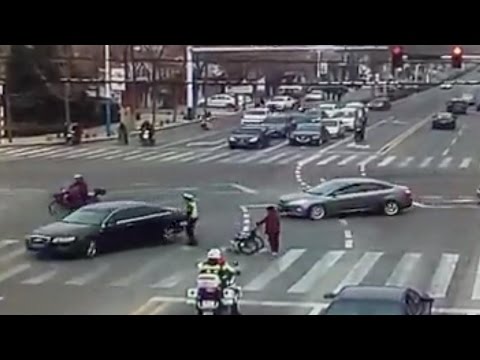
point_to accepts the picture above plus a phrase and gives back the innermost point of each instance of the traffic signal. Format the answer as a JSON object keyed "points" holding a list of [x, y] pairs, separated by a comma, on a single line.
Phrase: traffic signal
{"points": [[397, 57], [457, 57]]}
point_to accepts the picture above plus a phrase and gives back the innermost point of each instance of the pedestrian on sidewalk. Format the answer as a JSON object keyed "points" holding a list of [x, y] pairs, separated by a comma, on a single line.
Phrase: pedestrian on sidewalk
{"points": [[272, 229]]}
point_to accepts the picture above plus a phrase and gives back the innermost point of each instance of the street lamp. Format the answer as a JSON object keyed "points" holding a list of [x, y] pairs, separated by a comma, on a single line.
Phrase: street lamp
{"points": [[108, 92]]}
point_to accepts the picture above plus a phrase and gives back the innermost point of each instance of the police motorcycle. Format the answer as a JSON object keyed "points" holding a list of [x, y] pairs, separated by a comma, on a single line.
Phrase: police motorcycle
{"points": [[73, 135], [211, 298], [146, 137], [247, 243], [206, 121]]}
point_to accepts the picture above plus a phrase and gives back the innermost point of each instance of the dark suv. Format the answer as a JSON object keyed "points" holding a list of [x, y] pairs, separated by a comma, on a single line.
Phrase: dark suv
{"points": [[279, 126]]}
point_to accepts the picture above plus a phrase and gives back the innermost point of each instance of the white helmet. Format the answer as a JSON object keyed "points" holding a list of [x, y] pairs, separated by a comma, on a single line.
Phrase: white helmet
{"points": [[214, 254], [78, 177], [188, 197]]}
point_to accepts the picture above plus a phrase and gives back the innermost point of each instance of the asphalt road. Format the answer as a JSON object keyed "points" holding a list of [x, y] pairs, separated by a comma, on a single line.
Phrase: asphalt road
{"points": [[421, 248]]}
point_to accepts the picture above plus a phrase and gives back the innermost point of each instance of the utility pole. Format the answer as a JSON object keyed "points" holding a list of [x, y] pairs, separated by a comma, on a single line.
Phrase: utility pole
{"points": [[108, 92], [154, 93], [134, 82], [68, 86]]}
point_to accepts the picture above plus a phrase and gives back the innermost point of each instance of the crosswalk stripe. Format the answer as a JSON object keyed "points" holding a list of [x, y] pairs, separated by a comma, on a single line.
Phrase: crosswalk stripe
{"points": [[139, 155], [426, 162], [476, 286], [12, 255], [466, 163], [367, 161], [22, 150], [136, 276], [403, 271], [406, 162], [72, 154], [443, 276], [32, 152], [169, 282], [361, 269], [178, 156], [387, 161], [234, 156], [274, 270], [79, 154], [276, 157], [290, 159], [42, 278], [123, 155], [261, 153], [319, 270], [328, 160], [216, 157], [445, 163], [347, 160], [195, 156], [102, 154], [14, 271], [89, 276], [158, 156], [57, 150]]}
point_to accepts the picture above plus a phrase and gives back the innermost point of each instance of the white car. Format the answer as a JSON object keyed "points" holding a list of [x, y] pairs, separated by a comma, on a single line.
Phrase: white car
{"points": [[347, 116], [281, 103], [255, 116], [446, 86], [328, 107], [225, 101], [335, 128]]}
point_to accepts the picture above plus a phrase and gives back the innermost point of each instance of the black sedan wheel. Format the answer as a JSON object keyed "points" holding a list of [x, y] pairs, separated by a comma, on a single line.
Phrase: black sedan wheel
{"points": [[391, 208], [316, 212], [91, 250]]}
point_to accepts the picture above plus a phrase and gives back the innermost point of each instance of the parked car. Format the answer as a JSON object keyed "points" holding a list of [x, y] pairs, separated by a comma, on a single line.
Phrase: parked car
{"points": [[309, 134], [444, 121], [251, 137]]}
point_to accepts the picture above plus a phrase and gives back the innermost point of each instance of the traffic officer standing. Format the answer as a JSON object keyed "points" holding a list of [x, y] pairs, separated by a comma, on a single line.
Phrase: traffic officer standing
{"points": [[192, 218]]}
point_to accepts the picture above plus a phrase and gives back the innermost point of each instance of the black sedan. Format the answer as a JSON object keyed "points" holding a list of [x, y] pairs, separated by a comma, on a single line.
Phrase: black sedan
{"points": [[457, 107], [380, 104], [279, 126], [249, 137], [378, 300], [309, 134], [444, 121], [107, 226]]}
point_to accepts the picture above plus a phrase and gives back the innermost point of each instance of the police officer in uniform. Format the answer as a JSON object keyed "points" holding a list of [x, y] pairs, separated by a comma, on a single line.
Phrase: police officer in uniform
{"points": [[192, 218]]}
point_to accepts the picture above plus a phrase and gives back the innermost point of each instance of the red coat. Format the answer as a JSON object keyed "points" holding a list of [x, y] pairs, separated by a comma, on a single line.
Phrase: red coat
{"points": [[272, 223]]}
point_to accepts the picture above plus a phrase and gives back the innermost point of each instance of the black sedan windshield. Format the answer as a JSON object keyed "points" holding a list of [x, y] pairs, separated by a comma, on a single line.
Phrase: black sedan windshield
{"points": [[248, 131], [87, 216], [365, 307], [275, 120], [308, 127]]}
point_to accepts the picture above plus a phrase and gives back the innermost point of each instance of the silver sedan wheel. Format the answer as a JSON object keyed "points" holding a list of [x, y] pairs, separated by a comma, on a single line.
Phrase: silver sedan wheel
{"points": [[317, 212], [391, 208]]}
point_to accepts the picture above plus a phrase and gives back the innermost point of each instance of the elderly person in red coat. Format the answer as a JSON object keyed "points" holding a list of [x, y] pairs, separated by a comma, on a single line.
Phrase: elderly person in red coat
{"points": [[272, 229]]}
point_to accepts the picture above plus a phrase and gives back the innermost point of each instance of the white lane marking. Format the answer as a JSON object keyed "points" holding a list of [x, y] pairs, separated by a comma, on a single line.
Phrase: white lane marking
{"points": [[31, 152], [221, 142], [328, 160], [104, 154], [176, 157], [361, 269], [169, 282], [85, 154], [7, 242], [445, 163], [275, 270], [454, 141], [404, 270], [24, 149], [367, 161], [159, 156], [74, 154], [318, 271], [201, 154], [426, 162], [244, 189], [465, 163], [276, 157], [58, 150], [140, 155], [217, 156], [42, 278], [290, 159], [347, 160], [476, 286], [316, 310], [262, 153], [406, 162], [387, 161], [124, 155], [446, 152], [14, 271], [12, 255], [136, 276], [88, 277], [443, 276]]}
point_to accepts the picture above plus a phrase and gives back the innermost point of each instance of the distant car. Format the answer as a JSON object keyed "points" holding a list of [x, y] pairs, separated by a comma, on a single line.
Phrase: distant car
{"points": [[469, 98], [279, 125], [255, 116], [309, 134], [220, 101], [444, 121], [347, 195], [378, 300], [282, 103], [317, 113], [335, 128], [457, 107], [312, 101], [328, 106], [348, 117], [306, 118], [380, 104], [295, 91], [251, 137], [446, 86], [107, 226], [361, 107]]}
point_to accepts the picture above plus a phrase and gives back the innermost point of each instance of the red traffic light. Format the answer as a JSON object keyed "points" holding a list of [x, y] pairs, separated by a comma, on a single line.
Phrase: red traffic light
{"points": [[397, 50], [457, 51]]}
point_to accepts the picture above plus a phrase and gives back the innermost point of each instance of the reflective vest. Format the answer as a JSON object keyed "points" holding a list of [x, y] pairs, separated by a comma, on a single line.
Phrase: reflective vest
{"points": [[192, 209]]}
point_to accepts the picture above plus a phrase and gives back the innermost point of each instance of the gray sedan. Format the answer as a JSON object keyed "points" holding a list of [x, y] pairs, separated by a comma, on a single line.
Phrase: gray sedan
{"points": [[347, 195]]}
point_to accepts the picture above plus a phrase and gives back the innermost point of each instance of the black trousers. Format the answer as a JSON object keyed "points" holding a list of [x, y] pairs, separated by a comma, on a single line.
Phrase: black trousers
{"points": [[190, 229]]}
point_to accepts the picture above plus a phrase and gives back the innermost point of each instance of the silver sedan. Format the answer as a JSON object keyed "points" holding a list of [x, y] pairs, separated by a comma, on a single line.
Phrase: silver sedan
{"points": [[347, 195]]}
